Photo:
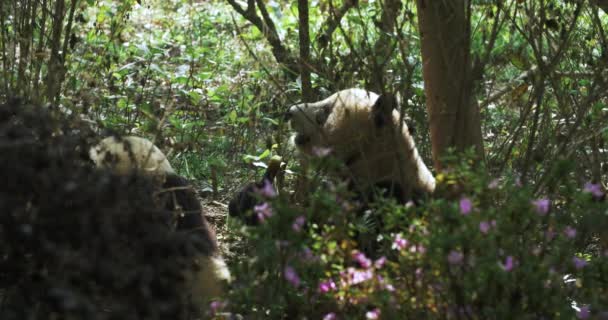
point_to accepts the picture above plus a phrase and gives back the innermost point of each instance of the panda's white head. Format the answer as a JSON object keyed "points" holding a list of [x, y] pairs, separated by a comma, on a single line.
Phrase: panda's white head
{"points": [[124, 155], [365, 132], [321, 123]]}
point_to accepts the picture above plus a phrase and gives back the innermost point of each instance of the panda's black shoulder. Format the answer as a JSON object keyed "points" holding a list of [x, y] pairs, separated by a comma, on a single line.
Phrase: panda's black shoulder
{"points": [[241, 205], [178, 196]]}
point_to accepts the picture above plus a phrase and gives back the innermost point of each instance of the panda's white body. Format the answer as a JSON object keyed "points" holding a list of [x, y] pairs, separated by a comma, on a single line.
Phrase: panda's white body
{"points": [[130, 154], [367, 133]]}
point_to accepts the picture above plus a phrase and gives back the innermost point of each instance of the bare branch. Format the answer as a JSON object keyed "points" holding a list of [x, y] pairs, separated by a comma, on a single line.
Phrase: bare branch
{"points": [[333, 21], [237, 7], [271, 28], [508, 87], [266, 25]]}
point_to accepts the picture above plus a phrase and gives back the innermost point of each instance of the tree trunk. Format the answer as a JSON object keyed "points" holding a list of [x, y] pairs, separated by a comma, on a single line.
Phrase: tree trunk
{"points": [[25, 38], [445, 42], [302, 183], [304, 50], [37, 63], [603, 4], [382, 48], [55, 65]]}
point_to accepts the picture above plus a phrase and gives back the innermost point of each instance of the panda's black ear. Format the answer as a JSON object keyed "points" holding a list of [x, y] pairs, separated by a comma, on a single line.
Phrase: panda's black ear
{"points": [[382, 110]]}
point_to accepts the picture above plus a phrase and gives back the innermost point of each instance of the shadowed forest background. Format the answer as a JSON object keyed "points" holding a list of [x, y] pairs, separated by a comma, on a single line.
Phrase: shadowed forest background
{"points": [[507, 102]]}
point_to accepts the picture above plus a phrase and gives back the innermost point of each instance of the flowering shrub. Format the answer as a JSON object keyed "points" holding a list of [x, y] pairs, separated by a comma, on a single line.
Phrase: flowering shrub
{"points": [[497, 250]]}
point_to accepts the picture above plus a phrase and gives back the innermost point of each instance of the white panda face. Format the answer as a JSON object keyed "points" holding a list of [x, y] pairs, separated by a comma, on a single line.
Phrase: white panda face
{"points": [[307, 121], [331, 122], [366, 133], [127, 154]]}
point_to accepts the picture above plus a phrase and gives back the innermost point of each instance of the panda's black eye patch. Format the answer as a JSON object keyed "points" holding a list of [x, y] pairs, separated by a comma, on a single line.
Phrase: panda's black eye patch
{"points": [[323, 114], [320, 118], [301, 139]]}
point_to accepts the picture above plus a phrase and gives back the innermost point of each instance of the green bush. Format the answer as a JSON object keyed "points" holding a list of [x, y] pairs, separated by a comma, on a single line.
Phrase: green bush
{"points": [[497, 250]]}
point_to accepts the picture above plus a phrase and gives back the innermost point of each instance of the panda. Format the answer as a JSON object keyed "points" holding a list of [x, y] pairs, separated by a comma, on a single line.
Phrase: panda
{"points": [[243, 202], [135, 155], [125, 155], [365, 132]]}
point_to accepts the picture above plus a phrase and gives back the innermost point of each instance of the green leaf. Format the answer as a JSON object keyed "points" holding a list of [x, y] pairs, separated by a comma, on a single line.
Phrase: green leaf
{"points": [[180, 80], [519, 61], [271, 120], [264, 154], [121, 103], [249, 158], [232, 116], [195, 97]]}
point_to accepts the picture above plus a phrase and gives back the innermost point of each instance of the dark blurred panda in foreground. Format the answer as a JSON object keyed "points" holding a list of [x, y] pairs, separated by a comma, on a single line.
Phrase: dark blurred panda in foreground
{"points": [[366, 133], [243, 203], [78, 242], [135, 155]]}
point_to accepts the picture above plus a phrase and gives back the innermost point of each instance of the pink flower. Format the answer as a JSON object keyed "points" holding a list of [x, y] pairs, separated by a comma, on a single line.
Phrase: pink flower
{"points": [[291, 276], [570, 232], [494, 184], [263, 211], [579, 263], [418, 248], [307, 254], [384, 285], [399, 243], [330, 316], [380, 262], [373, 314], [267, 190], [421, 249], [509, 264], [216, 306], [484, 227], [542, 206], [518, 182], [363, 261], [353, 276], [327, 286], [595, 189], [583, 313], [361, 276], [281, 244], [298, 223], [455, 257], [465, 206], [320, 152]]}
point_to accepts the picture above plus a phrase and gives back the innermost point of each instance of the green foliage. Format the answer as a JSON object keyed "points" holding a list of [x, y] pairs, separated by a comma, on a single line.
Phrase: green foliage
{"points": [[499, 251], [171, 72], [204, 83]]}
